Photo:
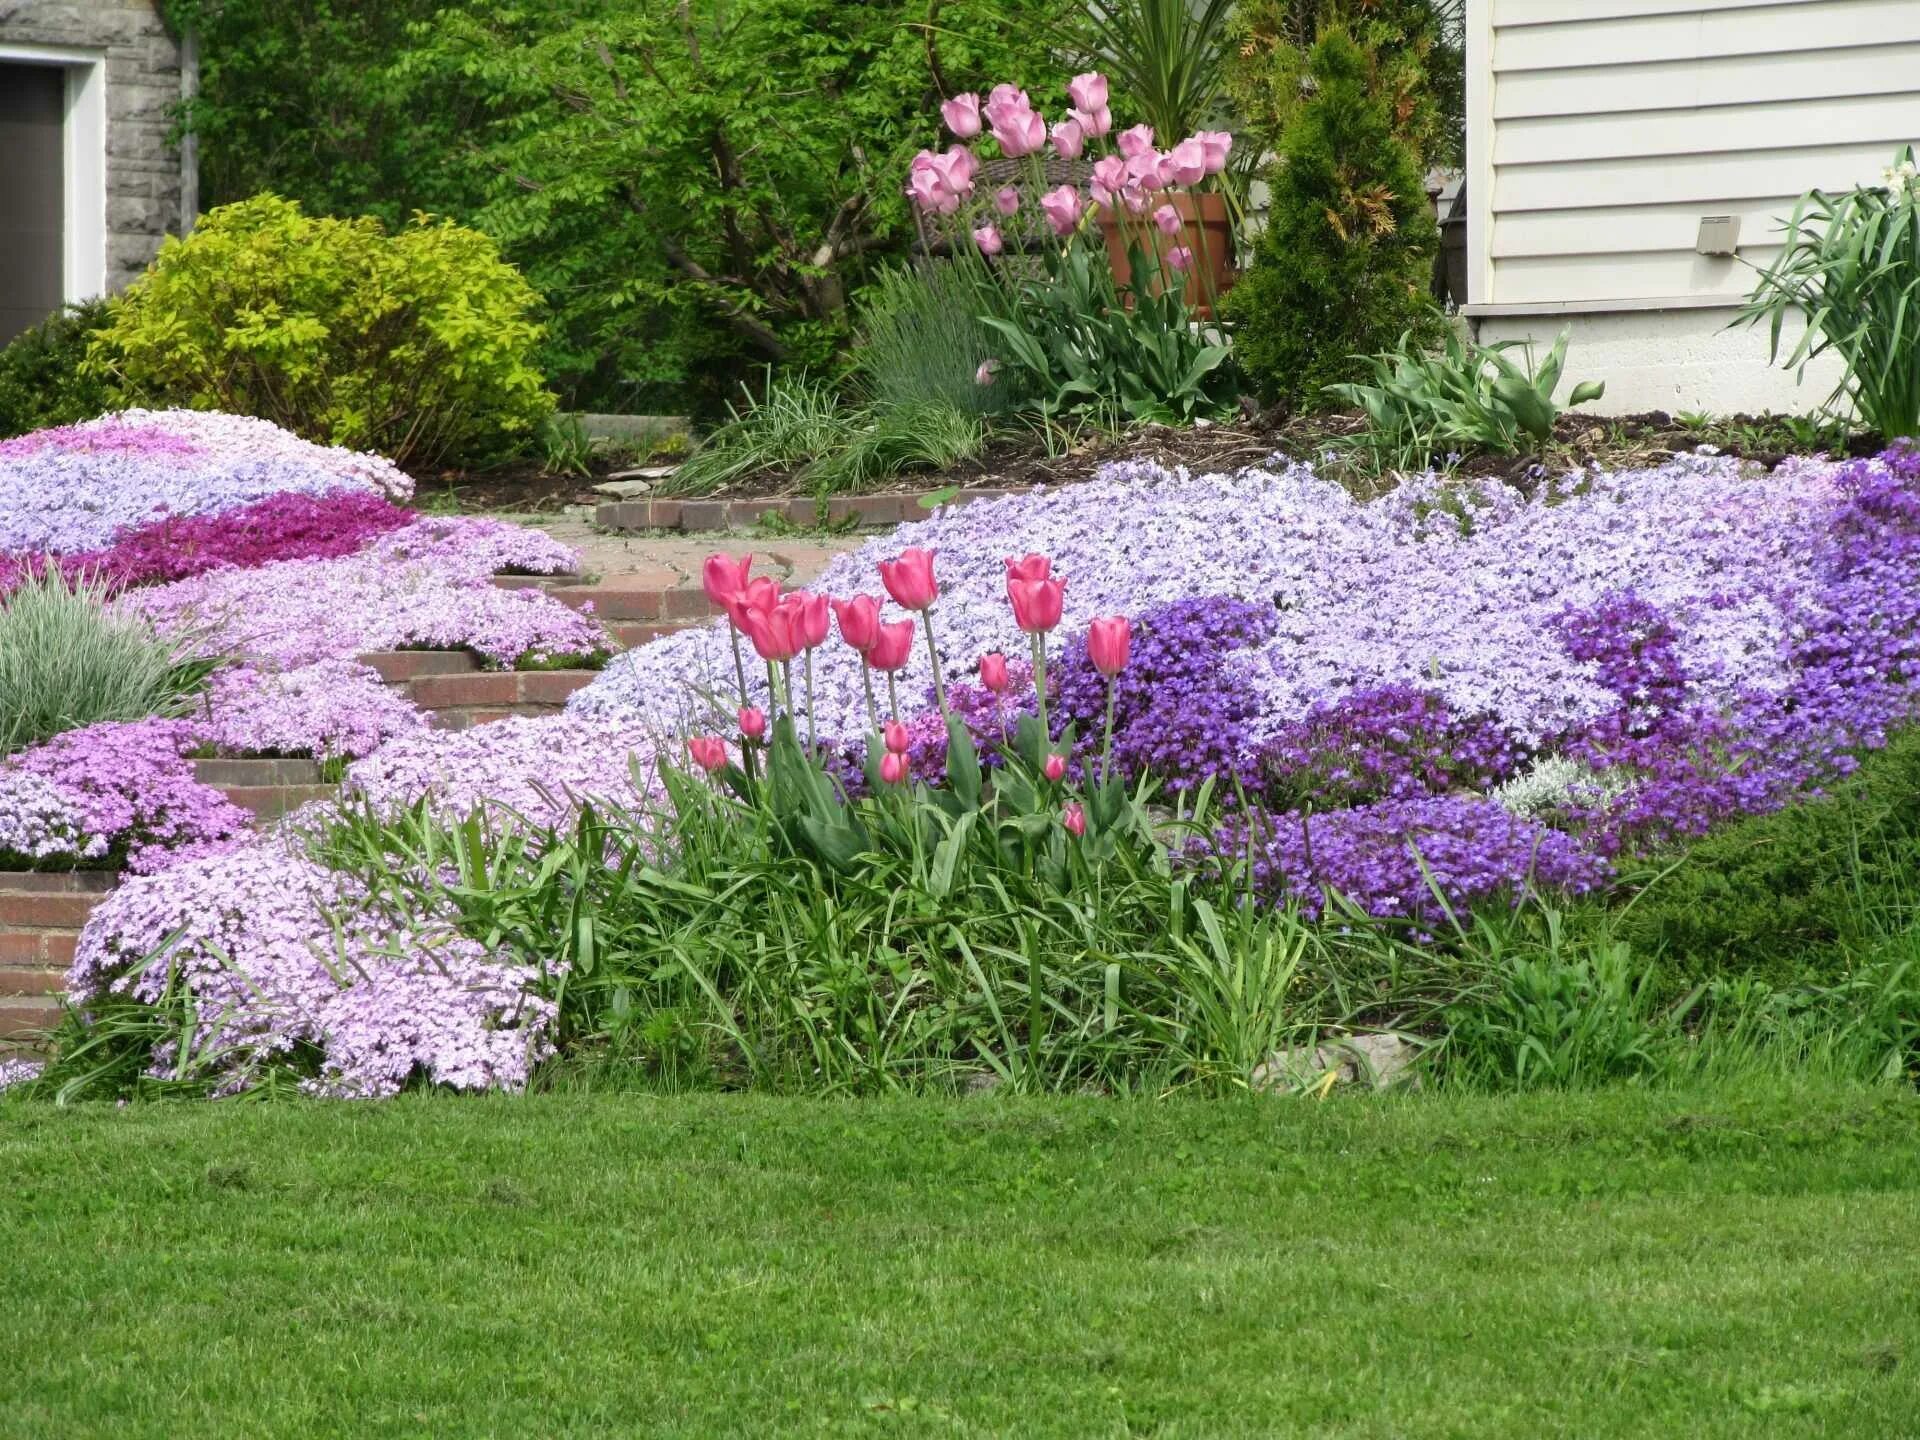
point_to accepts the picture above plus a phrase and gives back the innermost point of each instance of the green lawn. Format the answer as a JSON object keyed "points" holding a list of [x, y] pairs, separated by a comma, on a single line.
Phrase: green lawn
{"points": [[1596, 1265]]}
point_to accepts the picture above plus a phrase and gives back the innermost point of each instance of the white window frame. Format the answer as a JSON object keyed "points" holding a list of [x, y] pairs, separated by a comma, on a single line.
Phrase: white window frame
{"points": [[83, 264]]}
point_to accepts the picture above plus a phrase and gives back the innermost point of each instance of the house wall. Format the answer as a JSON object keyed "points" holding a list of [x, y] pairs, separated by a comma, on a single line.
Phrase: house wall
{"points": [[140, 64], [1602, 131]]}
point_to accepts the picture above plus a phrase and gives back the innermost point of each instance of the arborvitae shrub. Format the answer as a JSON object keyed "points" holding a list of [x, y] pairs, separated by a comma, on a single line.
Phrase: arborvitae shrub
{"points": [[1343, 266]]}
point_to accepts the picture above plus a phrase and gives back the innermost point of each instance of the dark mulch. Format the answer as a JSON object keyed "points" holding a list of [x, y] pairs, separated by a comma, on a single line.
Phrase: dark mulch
{"points": [[1017, 462]]}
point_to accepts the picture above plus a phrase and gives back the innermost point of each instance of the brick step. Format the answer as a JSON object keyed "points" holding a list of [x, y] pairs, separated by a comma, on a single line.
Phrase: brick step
{"points": [[396, 667], [802, 510], [498, 689], [265, 789], [632, 634], [537, 582], [41, 914], [638, 597]]}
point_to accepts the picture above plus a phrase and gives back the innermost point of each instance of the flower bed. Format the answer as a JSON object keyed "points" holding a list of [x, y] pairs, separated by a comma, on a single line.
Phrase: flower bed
{"points": [[81, 487]]}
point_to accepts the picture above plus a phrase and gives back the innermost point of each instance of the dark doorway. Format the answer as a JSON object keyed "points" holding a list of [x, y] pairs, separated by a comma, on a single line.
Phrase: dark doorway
{"points": [[33, 106]]}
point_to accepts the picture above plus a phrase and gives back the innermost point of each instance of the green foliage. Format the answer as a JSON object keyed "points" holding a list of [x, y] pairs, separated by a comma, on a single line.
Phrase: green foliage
{"points": [[1421, 403], [1343, 265], [897, 439], [1165, 59], [1804, 892], [1418, 49], [797, 420], [42, 381], [1075, 344], [69, 658], [1850, 267], [921, 339], [701, 188], [419, 345]]}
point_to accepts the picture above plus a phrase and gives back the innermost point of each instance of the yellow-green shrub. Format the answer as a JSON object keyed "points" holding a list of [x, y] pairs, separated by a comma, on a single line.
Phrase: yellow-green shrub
{"points": [[419, 344]]}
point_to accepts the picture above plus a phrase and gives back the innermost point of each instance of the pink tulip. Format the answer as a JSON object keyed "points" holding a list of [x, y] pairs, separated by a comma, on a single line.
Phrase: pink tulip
{"points": [[753, 722], [775, 633], [892, 646], [1217, 144], [1143, 169], [909, 579], [1088, 91], [1036, 603], [1055, 768], [1109, 178], [1062, 207], [962, 114], [987, 237], [1093, 123], [1137, 141], [993, 672], [762, 594], [1168, 219], [1020, 132], [859, 621], [1180, 258], [895, 736], [983, 373], [955, 169], [724, 577], [709, 752], [810, 618], [1068, 139], [1006, 200], [1003, 98], [1109, 641], [1028, 567], [1186, 163], [1075, 819], [1136, 199], [927, 193], [893, 768]]}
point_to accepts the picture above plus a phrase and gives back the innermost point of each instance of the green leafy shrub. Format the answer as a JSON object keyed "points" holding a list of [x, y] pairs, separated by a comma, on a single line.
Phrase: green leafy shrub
{"points": [[1074, 344], [795, 422], [69, 658], [1420, 403], [1850, 267], [42, 379], [420, 345], [1804, 892], [921, 339], [1344, 263]]}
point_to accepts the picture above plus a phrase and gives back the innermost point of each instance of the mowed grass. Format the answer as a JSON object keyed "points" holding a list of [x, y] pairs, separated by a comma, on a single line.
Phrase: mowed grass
{"points": [[1612, 1264]]}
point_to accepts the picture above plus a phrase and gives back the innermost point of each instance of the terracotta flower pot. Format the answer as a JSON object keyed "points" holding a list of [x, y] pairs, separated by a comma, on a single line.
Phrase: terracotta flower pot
{"points": [[1206, 230]]}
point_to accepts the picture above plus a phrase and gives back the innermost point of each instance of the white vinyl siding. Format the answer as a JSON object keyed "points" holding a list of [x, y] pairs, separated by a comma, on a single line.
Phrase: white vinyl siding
{"points": [[1601, 131]]}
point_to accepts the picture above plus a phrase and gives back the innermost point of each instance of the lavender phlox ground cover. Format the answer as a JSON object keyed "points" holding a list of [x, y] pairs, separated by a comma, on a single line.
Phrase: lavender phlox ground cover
{"points": [[427, 586], [286, 963], [79, 487], [327, 710], [131, 785], [535, 767]]}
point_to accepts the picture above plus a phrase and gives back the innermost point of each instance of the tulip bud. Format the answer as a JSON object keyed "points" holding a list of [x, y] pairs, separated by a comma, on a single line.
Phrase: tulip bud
{"points": [[895, 734], [909, 579], [753, 722], [709, 752], [1055, 767], [893, 768], [1109, 641], [993, 672], [1075, 819]]}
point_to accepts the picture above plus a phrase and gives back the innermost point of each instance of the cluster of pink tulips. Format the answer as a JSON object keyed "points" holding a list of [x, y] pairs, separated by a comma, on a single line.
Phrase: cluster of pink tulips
{"points": [[783, 628], [1129, 178]]}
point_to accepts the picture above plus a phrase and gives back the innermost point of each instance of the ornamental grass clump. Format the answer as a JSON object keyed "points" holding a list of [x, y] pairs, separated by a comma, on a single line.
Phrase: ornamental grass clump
{"points": [[69, 658], [1850, 271]]}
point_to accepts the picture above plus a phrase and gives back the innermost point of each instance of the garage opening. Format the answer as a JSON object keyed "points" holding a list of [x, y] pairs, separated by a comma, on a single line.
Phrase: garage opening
{"points": [[33, 102]]}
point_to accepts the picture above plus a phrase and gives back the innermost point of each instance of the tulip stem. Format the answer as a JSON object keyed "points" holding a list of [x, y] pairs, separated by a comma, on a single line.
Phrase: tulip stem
{"points": [[1106, 753], [739, 667], [866, 679], [893, 694], [1040, 682], [811, 737], [939, 687]]}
